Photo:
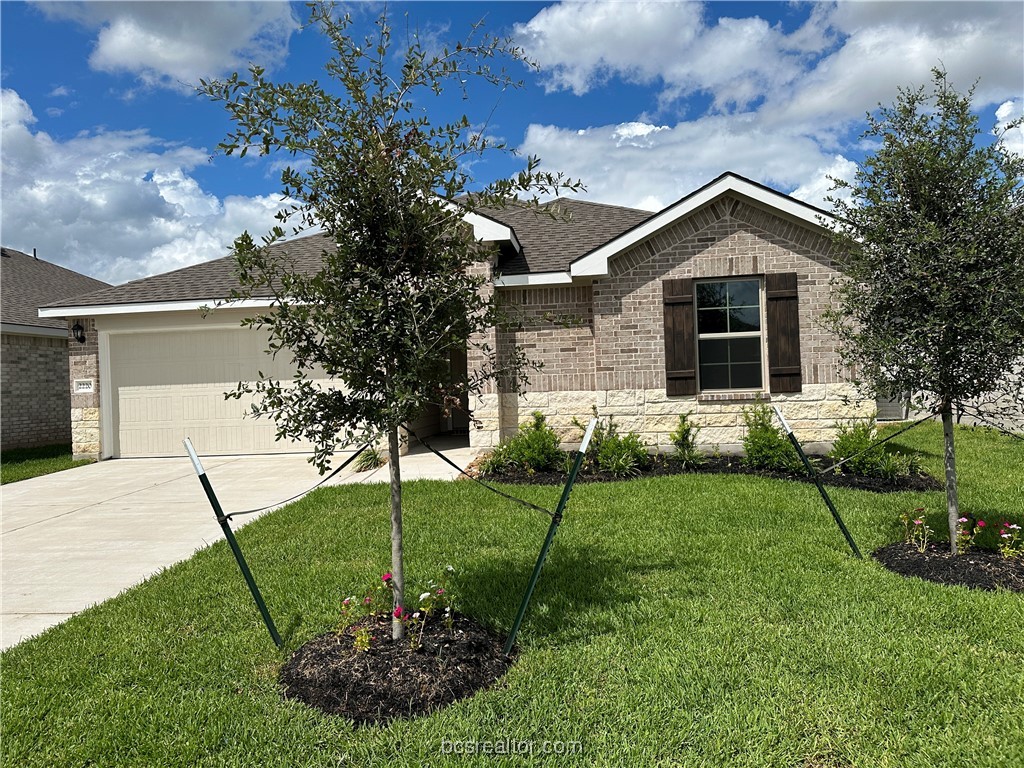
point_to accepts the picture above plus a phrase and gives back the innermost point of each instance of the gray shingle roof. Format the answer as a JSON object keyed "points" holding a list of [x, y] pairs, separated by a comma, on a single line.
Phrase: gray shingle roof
{"points": [[552, 243], [207, 281], [549, 245], [27, 283]]}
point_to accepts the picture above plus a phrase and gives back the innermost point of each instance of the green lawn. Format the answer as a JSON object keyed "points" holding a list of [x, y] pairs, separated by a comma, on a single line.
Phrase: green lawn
{"points": [[694, 621], [23, 463]]}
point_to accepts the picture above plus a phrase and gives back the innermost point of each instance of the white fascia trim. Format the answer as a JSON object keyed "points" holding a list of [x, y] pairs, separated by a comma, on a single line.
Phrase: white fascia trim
{"points": [[33, 330], [489, 230], [539, 278], [159, 306], [595, 264]]}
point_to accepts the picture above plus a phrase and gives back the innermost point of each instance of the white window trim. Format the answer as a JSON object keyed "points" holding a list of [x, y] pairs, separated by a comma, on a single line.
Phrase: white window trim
{"points": [[762, 334]]}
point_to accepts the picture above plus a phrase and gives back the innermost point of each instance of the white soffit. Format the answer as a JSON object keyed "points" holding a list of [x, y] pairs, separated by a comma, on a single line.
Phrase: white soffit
{"points": [[157, 306], [489, 230], [537, 278], [595, 263]]}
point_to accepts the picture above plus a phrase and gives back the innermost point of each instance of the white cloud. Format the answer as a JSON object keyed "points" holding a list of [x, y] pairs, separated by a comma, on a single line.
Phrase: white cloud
{"points": [[174, 44], [1013, 138], [673, 161], [819, 186], [579, 45], [116, 205], [783, 107], [887, 45], [60, 90]]}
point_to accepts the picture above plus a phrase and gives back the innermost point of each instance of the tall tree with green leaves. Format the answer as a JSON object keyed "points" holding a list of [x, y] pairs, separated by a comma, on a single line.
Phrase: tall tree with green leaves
{"points": [[932, 235], [398, 288]]}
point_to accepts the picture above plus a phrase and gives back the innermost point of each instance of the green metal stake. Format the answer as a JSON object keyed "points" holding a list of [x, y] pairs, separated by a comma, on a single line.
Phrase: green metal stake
{"points": [[556, 520], [817, 481], [233, 544]]}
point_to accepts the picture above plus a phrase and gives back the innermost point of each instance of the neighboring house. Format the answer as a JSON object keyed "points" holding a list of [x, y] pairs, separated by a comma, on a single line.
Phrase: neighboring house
{"points": [[35, 392], [701, 308]]}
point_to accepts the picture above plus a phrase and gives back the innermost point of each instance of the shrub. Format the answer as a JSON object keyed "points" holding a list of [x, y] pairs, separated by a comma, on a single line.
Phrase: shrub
{"points": [[684, 438], [371, 458], [535, 448], [765, 446], [618, 455], [854, 444]]}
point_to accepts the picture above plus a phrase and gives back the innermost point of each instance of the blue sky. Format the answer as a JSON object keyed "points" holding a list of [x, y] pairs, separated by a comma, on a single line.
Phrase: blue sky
{"points": [[109, 163]]}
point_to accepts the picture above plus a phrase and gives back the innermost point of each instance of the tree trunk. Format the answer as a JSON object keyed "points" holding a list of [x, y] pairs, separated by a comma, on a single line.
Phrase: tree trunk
{"points": [[952, 503], [397, 567]]}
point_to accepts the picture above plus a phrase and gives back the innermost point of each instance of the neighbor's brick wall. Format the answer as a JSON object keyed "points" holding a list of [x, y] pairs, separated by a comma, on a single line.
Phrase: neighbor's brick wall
{"points": [[34, 391], [727, 238], [85, 408]]}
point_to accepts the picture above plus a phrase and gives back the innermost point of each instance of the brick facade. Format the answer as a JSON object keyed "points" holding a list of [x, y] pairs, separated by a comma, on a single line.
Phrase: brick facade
{"points": [[34, 387], [614, 357]]}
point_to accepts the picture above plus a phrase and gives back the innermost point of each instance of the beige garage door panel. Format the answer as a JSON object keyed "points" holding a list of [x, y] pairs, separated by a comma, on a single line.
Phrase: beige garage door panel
{"points": [[171, 385]]}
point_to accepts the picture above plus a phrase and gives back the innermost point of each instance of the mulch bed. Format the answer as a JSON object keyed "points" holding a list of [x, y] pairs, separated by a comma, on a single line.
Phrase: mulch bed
{"points": [[976, 568], [391, 680], [666, 465]]}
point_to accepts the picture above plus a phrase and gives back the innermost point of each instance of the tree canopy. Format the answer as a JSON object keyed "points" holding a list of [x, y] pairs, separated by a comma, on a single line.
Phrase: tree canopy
{"points": [[398, 287], [931, 236]]}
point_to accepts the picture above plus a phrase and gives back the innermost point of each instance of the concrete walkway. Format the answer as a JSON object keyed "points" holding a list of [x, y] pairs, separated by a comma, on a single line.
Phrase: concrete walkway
{"points": [[75, 538]]}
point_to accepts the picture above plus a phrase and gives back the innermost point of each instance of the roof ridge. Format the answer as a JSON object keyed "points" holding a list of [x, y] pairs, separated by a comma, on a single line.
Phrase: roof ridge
{"points": [[579, 201], [36, 260]]}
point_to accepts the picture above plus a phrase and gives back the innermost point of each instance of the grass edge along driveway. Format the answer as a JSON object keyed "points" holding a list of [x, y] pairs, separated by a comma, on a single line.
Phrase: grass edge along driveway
{"points": [[24, 463], [693, 620]]}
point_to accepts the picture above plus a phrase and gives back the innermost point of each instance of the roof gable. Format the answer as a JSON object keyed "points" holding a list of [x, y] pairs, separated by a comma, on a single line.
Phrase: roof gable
{"points": [[552, 236], [595, 263]]}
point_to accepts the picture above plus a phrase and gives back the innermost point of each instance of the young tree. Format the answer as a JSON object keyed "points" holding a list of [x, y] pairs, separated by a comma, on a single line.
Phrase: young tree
{"points": [[396, 289], [932, 237]]}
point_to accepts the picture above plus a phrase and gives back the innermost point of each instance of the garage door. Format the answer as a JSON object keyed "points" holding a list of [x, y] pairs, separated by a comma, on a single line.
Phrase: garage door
{"points": [[170, 385]]}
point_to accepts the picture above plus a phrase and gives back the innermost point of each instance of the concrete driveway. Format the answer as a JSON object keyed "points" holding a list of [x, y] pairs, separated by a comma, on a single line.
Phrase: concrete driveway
{"points": [[75, 538]]}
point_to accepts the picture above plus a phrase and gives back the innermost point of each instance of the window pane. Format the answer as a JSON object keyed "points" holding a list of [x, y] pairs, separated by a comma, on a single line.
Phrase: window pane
{"points": [[744, 319], [716, 351], [746, 375], [712, 321], [745, 351], [744, 293], [714, 376], [711, 294]]}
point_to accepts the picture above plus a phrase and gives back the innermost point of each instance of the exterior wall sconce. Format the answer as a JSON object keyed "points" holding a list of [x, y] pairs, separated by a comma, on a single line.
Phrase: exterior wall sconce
{"points": [[78, 332]]}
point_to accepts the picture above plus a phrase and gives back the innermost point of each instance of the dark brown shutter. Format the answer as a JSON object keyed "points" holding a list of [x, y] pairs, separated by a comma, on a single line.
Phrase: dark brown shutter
{"points": [[680, 339], [783, 332]]}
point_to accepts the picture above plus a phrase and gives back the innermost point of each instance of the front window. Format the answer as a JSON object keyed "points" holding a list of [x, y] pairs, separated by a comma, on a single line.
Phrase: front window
{"points": [[729, 335]]}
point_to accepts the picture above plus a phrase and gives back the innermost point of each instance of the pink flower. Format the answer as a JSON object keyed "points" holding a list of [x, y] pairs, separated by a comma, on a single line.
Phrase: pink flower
{"points": [[386, 577], [918, 522], [962, 520], [347, 601], [367, 600], [397, 613], [440, 591], [982, 523]]}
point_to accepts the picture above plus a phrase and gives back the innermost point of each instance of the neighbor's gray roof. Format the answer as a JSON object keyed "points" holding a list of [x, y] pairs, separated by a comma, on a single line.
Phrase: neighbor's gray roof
{"points": [[28, 283], [549, 245], [559, 232]]}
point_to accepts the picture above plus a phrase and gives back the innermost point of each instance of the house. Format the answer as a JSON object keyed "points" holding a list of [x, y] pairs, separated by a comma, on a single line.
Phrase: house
{"points": [[700, 308], [35, 396]]}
